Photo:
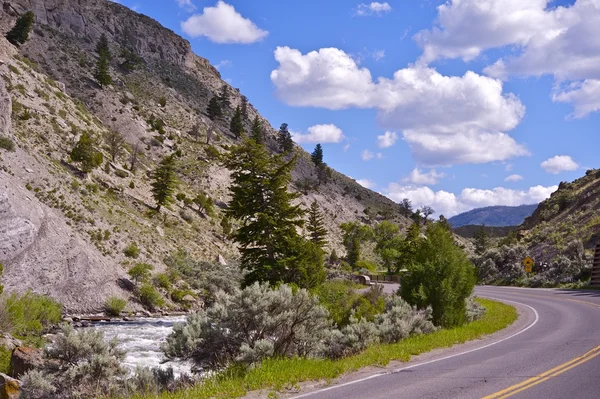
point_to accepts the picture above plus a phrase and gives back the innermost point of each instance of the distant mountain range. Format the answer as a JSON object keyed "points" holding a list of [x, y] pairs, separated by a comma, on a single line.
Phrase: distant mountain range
{"points": [[494, 216]]}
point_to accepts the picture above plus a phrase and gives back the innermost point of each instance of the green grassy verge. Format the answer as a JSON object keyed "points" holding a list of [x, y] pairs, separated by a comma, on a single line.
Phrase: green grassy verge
{"points": [[277, 374]]}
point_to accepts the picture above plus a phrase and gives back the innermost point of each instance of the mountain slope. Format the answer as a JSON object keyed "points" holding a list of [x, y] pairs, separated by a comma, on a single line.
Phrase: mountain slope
{"points": [[67, 232], [493, 216]]}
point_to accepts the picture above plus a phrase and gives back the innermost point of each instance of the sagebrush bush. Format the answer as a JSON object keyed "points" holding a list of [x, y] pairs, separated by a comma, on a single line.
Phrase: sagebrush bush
{"points": [[249, 325], [474, 310], [7, 143], [114, 306], [132, 251], [163, 281]]}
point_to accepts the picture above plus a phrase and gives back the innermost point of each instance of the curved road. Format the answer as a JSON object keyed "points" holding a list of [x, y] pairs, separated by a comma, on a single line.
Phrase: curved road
{"points": [[554, 354]]}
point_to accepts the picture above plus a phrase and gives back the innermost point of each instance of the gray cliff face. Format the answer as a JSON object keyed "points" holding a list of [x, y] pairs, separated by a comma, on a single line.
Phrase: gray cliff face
{"points": [[5, 110]]}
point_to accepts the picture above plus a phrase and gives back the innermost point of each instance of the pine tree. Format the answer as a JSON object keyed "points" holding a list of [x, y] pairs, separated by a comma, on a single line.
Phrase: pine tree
{"points": [[224, 98], [354, 234], [257, 131], [316, 226], [164, 182], [317, 155], [86, 154], [20, 32], [482, 240], [133, 159], [115, 143], [214, 109], [236, 126], [284, 139], [270, 246], [102, 74], [244, 108], [406, 208]]}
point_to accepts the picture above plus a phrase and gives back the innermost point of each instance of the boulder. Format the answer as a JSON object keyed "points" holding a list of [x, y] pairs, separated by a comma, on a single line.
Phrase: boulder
{"points": [[9, 387], [188, 298], [8, 342], [24, 359], [221, 260]]}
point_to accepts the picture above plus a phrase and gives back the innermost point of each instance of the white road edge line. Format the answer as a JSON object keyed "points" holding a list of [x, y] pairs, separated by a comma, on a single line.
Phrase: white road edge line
{"points": [[537, 318]]}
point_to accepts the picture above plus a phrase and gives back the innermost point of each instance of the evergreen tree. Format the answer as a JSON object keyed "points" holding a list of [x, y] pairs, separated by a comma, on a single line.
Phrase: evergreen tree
{"points": [[20, 32], [237, 126], [270, 246], [317, 156], [102, 74], [354, 235], [224, 98], [164, 182], [86, 154], [482, 240], [284, 139], [316, 226], [244, 108], [258, 135], [214, 109], [133, 159], [406, 208], [427, 211], [115, 143]]}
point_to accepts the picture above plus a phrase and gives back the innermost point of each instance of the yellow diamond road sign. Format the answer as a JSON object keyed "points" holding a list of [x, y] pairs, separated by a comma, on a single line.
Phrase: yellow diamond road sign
{"points": [[528, 263]]}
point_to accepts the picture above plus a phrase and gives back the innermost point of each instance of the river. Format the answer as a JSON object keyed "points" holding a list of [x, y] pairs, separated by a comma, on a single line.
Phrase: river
{"points": [[142, 339]]}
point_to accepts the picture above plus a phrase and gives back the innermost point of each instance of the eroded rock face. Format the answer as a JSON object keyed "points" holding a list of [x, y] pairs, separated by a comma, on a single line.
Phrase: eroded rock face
{"points": [[5, 110]]}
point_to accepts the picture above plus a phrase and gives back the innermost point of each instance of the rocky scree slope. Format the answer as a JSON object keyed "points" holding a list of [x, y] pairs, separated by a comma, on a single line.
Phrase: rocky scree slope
{"points": [[69, 231], [571, 213]]}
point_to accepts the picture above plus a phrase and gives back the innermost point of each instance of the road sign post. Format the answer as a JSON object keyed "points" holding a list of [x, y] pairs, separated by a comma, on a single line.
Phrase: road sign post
{"points": [[528, 263]]}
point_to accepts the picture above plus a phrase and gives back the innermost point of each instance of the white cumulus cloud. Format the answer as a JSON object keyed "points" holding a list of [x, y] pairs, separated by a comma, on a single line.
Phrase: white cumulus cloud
{"points": [[186, 5], [387, 139], [444, 119], [223, 24], [328, 133], [373, 8], [367, 155], [449, 204], [514, 178], [559, 163], [428, 179], [366, 183]]}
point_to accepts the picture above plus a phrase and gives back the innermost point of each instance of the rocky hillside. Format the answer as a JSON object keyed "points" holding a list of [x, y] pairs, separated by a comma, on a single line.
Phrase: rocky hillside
{"points": [[571, 213], [493, 216], [63, 233]]}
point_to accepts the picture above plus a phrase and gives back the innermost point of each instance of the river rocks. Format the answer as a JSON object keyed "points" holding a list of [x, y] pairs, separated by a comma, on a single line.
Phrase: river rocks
{"points": [[9, 387], [24, 359], [8, 342]]}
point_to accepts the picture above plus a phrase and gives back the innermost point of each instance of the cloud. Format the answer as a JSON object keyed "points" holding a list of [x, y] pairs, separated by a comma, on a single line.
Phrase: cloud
{"points": [[222, 63], [387, 139], [346, 146], [374, 8], [319, 134], [445, 119], [450, 204], [186, 5], [378, 55], [429, 178], [367, 155], [223, 24], [559, 163], [559, 41], [366, 183], [514, 178]]}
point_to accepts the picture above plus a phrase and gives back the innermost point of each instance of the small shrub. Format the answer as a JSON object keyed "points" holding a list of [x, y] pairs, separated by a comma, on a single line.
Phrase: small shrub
{"points": [[149, 297], [140, 272], [30, 314], [132, 251], [114, 306], [131, 185], [121, 173], [7, 143], [177, 295], [212, 152], [162, 281], [162, 101]]}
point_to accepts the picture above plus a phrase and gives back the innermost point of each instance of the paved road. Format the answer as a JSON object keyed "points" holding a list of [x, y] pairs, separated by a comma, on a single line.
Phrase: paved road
{"points": [[549, 357]]}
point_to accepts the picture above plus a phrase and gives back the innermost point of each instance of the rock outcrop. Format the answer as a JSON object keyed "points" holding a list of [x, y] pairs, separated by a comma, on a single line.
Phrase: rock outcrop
{"points": [[24, 359], [9, 387]]}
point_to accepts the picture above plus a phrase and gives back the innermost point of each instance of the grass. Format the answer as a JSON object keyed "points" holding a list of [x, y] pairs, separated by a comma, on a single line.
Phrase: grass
{"points": [[278, 374]]}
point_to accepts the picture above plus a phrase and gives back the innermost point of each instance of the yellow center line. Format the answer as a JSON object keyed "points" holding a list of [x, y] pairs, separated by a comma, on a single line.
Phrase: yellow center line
{"points": [[514, 389]]}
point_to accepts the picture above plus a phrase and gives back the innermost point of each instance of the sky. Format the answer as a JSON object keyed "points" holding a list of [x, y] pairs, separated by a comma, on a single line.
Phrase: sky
{"points": [[453, 104]]}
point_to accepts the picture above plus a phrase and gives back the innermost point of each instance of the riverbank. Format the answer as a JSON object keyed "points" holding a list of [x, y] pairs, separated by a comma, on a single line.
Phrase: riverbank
{"points": [[285, 374]]}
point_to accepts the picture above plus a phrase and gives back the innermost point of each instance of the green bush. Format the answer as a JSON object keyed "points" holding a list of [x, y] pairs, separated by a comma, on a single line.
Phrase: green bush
{"points": [[121, 173], [440, 276], [114, 306], [342, 300], [7, 143], [177, 295], [162, 101], [162, 281], [212, 152], [5, 355], [132, 251], [149, 297], [29, 314], [140, 272]]}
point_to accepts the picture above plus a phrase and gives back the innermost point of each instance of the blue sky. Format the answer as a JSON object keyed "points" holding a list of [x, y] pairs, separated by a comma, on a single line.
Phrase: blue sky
{"points": [[419, 99]]}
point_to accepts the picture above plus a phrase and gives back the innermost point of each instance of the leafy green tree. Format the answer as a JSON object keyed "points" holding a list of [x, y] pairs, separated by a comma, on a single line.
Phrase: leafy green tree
{"points": [[214, 109], [86, 154], [257, 133], [102, 73], [224, 98], [284, 139], [267, 235], [317, 155], [140, 272], [482, 240], [164, 182], [237, 126], [20, 32], [354, 235], [441, 276], [389, 243], [315, 226]]}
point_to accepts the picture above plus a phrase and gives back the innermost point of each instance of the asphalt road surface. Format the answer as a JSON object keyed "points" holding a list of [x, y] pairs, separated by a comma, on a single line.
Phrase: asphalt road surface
{"points": [[555, 353]]}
